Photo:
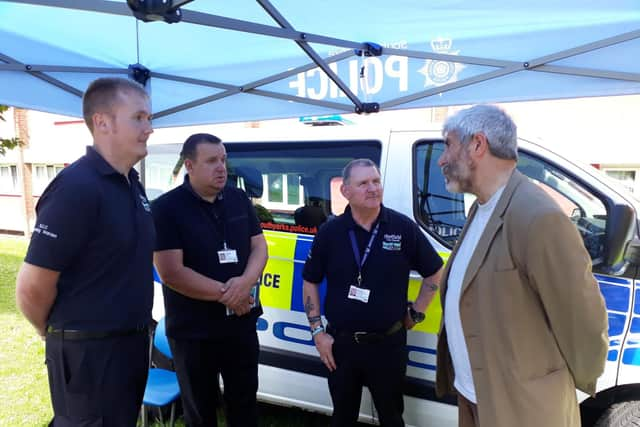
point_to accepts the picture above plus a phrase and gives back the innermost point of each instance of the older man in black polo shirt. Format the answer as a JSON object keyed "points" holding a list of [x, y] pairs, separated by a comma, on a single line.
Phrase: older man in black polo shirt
{"points": [[87, 280], [366, 255], [210, 255]]}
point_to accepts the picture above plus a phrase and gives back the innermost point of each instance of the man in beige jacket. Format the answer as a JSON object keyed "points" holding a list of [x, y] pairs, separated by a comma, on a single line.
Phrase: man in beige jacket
{"points": [[524, 322]]}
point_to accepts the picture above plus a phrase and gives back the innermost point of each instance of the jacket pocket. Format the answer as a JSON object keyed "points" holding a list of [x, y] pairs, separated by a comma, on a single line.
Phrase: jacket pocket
{"points": [[556, 386]]}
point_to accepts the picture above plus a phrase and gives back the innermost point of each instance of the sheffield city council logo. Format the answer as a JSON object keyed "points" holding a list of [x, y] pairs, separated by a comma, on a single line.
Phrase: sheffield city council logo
{"points": [[437, 72]]}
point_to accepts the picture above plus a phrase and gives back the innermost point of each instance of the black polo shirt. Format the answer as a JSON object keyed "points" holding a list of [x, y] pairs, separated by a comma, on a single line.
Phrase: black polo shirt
{"points": [[96, 229], [186, 221], [398, 248]]}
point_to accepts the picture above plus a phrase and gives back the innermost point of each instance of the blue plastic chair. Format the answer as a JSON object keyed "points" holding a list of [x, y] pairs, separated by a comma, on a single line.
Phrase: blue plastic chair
{"points": [[162, 385]]}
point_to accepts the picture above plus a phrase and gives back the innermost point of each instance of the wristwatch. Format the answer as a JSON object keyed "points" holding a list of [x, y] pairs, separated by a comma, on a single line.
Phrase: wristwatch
{"points": [[416, 316]]}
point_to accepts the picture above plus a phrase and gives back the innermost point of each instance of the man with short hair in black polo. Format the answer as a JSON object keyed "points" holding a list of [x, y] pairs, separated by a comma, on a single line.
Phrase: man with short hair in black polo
{"points": [[210, 254], [87, 281], [366, 255]]}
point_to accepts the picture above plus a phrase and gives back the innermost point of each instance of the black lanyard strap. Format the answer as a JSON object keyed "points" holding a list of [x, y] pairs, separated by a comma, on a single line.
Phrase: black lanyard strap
{"points": [[356, 250]]}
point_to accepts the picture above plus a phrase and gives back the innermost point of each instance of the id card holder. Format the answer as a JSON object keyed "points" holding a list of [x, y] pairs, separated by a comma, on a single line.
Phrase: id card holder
{"points": [[359, 294], [255, 293], [227, 256]]}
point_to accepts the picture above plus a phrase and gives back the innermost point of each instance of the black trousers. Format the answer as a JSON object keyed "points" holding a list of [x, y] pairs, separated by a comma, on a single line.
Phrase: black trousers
{"points": [[380, 366], [198, 362], [97, 383]]}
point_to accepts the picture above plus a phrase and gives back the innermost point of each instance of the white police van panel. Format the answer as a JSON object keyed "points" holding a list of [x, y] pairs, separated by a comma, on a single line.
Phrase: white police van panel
{"points": [[293, 178]]}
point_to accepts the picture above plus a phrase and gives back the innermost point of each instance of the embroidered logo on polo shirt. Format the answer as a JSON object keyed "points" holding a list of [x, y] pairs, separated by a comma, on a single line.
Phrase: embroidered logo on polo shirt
{"points": [[145, 203], [44, 230], [392, 242]]}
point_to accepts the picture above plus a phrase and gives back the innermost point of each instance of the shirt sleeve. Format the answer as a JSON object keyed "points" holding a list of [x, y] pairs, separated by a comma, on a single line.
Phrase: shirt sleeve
{"points": [[65, 220], [167, 231], [315, 266], [425, 260]]}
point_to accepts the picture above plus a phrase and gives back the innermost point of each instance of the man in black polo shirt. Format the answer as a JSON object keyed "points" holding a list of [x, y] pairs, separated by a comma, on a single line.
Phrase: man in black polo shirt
{"points": [[366, 255], [87, 281], [210, 254]]}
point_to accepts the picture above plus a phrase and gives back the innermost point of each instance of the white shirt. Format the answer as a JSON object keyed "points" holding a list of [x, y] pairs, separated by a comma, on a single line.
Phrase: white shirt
{"points": [[463, 381]]}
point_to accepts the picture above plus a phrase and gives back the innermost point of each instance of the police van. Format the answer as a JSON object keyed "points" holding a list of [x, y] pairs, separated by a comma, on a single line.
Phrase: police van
{"points": [[293, 178]]}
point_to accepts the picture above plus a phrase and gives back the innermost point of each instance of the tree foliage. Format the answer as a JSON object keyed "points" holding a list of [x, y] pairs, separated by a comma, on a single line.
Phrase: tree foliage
{"points": [[7, 143]]}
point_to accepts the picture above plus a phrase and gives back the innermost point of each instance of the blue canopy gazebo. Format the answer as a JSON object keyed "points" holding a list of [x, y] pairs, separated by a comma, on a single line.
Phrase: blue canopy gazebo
{"points": [[254, 60]]}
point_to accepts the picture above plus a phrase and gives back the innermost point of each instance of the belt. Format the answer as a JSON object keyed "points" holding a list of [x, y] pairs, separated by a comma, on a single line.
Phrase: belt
{"points": [[73, 334], [361, 337]]}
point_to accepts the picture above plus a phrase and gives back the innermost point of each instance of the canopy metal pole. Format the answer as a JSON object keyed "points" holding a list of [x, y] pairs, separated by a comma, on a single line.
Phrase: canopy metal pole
{"points": [[31, 68], [589, 47], [448, 57], [589, 72], [198, 18], [536, 64], [250, 88], [260, 92], [297, 70], [204, 19], [38, 75], [247, 87], [504, 67], [451, 86], [282, 21]]}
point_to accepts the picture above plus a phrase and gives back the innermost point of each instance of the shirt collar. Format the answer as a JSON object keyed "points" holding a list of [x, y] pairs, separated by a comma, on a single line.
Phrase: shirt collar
{"points": [[383, 216], [187, 186], [103, 167]]}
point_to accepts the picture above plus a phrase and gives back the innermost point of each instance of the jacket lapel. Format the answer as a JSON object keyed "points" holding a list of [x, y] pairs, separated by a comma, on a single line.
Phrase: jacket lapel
{"points": [[454, 251], [494, 224]]}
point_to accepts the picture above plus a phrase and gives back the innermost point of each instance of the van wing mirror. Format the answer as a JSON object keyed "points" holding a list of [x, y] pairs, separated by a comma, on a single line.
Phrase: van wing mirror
{"points": [[621, 224]]}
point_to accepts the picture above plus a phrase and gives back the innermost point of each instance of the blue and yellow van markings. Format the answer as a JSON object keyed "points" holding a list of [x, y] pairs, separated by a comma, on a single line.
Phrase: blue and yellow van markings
{"points": [[415, 349], [617, 296], [631, 353], [282, 278]]}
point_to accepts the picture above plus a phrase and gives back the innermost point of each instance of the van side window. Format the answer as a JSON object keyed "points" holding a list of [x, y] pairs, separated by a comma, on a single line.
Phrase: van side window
{"points": [[295, 183], [443, 214], [295, 186], [585, 210]]}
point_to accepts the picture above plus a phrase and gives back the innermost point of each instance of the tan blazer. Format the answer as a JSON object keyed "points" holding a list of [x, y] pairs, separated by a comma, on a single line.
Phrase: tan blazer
{"points": [[534, 320]]}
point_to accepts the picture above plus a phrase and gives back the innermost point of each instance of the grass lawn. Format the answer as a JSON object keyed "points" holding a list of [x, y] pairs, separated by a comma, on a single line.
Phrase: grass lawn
{"points": [[24, 390]]}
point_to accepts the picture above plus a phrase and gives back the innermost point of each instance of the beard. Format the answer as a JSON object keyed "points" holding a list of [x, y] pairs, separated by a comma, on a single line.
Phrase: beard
{"points": [[458, 175]]}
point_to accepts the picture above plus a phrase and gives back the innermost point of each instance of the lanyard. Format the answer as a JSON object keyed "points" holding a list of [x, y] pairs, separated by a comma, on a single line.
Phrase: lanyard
{"points": [[356, 250]]}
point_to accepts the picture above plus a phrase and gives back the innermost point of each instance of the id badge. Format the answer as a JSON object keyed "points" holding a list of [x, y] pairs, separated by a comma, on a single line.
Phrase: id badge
{"points": [[227, 256], [359, 294]]}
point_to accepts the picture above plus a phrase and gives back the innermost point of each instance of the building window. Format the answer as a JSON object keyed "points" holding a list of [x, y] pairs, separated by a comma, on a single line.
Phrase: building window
{"points": [[293, 190], [8, 179], [43, 175], [275, 187], [284, 191]]}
